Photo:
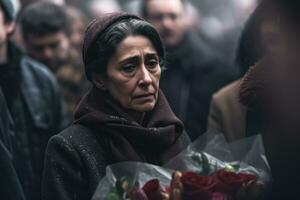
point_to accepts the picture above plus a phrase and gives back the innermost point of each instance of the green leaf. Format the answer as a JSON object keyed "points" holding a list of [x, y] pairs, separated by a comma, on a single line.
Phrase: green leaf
{"points": [[202, 160], [236, 167], [205, 164], [197, 158]]}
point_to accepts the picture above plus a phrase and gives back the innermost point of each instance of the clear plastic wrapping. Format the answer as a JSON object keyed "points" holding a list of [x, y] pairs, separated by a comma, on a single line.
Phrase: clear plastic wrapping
{"points": [[200, 171]]}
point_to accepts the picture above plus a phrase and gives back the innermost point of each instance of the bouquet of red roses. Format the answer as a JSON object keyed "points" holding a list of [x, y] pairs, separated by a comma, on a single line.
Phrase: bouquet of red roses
{"points": [[209, 169]]}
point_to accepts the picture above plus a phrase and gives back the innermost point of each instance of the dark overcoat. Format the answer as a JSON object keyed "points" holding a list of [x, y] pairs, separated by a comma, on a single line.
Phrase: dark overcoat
{"points": [[75, 163]]}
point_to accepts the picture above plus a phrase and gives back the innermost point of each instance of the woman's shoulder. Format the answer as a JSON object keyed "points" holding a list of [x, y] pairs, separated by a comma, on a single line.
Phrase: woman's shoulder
{"points": [[77, 132], [82, 145], [78, 158], [79, 138]]}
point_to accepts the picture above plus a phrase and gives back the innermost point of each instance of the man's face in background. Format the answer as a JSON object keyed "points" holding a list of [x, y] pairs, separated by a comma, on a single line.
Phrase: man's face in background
{"points": [[168, 18], [2, 29], [6, 28], [51, 50]]}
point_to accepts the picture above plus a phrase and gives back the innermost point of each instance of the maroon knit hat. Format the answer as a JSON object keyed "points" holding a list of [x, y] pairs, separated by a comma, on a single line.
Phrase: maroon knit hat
{"points": [[96, 28]]}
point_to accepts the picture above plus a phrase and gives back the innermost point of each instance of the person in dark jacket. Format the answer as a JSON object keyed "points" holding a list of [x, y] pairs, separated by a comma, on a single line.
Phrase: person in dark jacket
{"points": [[34, 102], [10, 187], [193, 71], [47, 33], [124, 117]]}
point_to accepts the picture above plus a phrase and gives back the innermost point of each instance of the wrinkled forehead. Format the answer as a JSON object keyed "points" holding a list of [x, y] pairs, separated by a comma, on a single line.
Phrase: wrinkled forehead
{"points": [[134, 46]]}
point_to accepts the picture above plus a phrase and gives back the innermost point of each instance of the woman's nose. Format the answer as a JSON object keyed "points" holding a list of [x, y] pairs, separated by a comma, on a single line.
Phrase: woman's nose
{"points": [[145, 77]]}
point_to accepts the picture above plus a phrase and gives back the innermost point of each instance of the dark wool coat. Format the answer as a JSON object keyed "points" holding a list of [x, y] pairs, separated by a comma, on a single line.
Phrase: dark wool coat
{"points": [[75, 163]]}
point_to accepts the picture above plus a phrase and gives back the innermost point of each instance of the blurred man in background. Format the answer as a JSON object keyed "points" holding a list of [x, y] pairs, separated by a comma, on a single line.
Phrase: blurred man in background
{"points": [[46, 31], [193, 72], [34, 103]]}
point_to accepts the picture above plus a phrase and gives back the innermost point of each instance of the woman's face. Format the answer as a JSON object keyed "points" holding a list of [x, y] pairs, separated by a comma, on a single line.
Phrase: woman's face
{"points": [[133, 74]]}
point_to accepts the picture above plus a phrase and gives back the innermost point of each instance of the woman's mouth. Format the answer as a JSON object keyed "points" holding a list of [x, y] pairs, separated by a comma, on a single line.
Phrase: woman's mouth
{"points": [[145, 97]]}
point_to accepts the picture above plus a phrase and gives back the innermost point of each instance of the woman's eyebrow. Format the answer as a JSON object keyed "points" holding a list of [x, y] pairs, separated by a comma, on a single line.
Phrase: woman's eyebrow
{"points": [[129, 59], [135, 58], [151, 55]]}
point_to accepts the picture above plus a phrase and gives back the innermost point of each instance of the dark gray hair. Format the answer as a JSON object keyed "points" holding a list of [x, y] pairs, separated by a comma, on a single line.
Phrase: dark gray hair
{"points": [[108, 42]]}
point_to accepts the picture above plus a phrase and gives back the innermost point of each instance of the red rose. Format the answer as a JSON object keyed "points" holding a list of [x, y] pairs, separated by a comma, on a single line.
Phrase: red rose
{"points": [[220, 196], [137, 194], [230, 182], [197, 187], [153, 190]]}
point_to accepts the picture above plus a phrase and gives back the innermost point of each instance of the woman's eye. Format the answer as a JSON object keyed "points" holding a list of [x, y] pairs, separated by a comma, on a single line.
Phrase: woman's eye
{"points": [[128, 69], [152, 64]]}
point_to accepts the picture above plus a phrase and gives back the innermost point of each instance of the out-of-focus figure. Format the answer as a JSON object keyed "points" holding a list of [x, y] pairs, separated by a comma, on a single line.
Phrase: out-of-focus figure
{"points": [[57, 2], [227, 114], [96, 8], [220, 23], [34, 102], [270, 93], [244, 9], [10, 187], [26, 3], [131, 6], [273, 88], [16, 36], [193, 72], [47, 32], [77, 23]]}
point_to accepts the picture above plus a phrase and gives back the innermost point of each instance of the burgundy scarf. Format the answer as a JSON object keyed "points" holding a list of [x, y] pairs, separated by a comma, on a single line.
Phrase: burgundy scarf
{"points": [[155, 140]]}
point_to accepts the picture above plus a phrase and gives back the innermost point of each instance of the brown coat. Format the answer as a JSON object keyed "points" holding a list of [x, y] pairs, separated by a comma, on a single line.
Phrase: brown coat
{"points": [[227, 115]]}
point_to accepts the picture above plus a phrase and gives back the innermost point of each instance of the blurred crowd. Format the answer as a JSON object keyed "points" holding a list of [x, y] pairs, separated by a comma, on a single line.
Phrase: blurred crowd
{"points": [[209, 81]]}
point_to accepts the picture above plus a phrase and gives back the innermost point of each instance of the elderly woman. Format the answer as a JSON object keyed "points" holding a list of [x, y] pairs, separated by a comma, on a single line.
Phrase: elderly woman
{"points": [[124, 117]]}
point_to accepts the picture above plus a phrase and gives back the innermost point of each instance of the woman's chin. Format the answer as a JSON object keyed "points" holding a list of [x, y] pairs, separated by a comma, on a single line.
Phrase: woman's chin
{"points": [[146, 107]]}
